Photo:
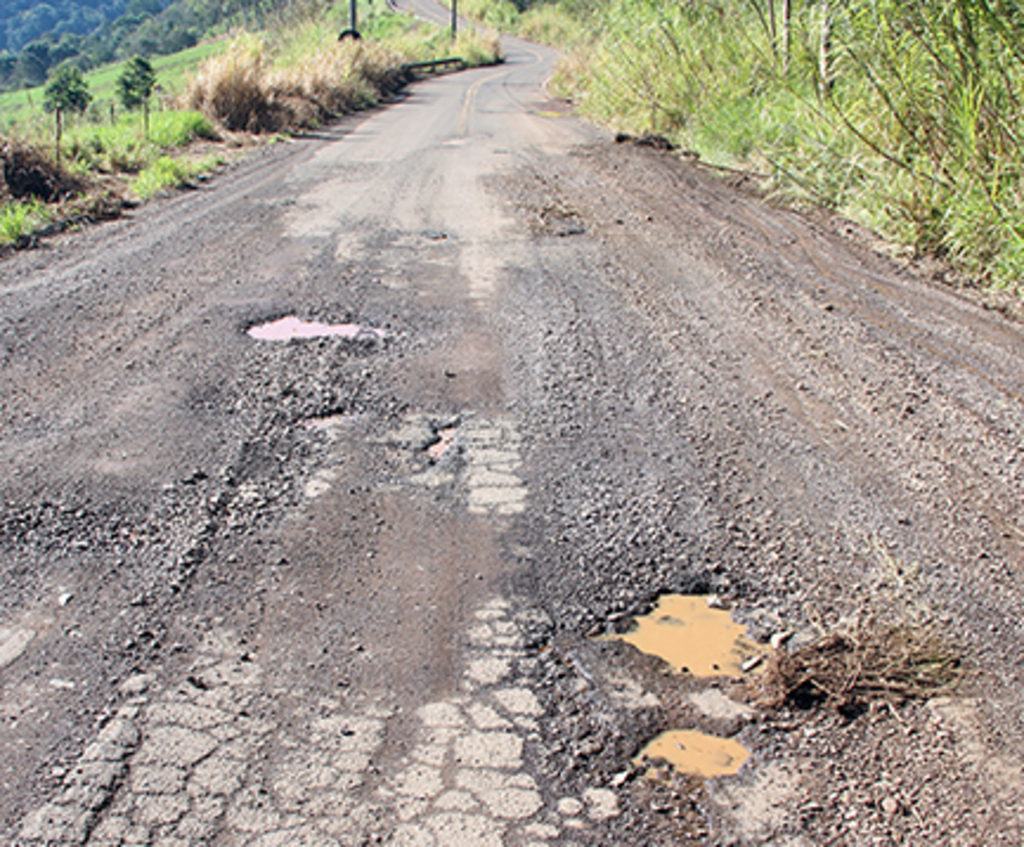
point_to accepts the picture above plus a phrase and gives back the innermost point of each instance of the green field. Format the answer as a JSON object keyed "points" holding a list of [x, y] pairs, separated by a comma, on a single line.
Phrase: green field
{"points": [[20, 109]]}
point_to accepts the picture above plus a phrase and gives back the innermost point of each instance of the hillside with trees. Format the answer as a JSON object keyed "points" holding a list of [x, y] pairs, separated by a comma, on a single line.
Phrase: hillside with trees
{"points": [[35, 37]]}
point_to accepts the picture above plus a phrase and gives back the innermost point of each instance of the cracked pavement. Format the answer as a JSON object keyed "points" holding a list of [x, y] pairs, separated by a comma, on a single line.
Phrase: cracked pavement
{"points": [[347, 590]]}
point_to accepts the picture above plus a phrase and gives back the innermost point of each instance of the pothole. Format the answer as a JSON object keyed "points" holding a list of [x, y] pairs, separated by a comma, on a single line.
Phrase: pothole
{"points": [[445, 439], [693, 636], [693, 752], [696, 636], [289, 327]]}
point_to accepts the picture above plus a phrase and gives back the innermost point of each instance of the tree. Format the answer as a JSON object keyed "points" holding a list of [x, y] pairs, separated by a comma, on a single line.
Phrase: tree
{"points": [[65, 92], [135, 85]]}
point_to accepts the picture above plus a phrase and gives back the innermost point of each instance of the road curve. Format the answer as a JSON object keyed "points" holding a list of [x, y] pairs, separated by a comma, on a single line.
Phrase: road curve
{"points": [[341, 590]]}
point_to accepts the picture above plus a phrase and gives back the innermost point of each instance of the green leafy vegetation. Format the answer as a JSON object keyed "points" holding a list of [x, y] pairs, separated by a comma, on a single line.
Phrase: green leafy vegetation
{"points": [[135, 87], [292, 75], [65, 92], [20, 110], [166, 172], [125, 147], [20, 218], [90, 33]]}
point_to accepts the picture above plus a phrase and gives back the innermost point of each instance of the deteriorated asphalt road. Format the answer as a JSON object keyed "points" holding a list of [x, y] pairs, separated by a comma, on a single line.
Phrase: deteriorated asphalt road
{"points": [[339, 591]]}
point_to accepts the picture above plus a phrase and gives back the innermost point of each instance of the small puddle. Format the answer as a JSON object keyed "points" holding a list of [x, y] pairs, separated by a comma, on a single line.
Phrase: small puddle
{"points": [[693, 752], [691, 636], [446, 437], [287, 328]]}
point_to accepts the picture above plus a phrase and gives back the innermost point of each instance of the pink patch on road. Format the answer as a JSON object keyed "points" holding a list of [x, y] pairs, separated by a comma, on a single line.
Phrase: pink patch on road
{"points": [[284, 329]]}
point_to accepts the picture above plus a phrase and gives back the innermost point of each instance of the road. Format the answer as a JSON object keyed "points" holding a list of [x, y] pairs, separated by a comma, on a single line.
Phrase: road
{"points": [[340, 590]]}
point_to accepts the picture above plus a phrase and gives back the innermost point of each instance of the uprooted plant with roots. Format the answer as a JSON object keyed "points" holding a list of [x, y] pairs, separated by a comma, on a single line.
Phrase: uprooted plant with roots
{"points": [[867, 662]]}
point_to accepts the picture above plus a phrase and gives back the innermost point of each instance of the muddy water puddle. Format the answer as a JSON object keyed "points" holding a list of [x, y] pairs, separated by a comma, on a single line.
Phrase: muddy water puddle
{"points": [[287, 328], [692, 636], [692, 752]]}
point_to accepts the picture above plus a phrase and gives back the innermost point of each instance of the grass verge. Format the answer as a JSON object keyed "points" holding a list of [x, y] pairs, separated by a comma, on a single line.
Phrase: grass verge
{"points": [[903, 117], [300, 77], [21, 218], [167, 172]]}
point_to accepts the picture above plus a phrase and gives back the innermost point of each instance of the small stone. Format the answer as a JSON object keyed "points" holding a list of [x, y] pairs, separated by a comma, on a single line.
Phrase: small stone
{"points": [[890, 806], [716, 602], [751, 663], [780, 638], [603, 803], [14, 642], [136, 684], [569, 806]]}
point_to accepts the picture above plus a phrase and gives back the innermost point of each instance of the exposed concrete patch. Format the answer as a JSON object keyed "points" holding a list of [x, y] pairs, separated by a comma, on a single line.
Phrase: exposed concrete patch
{"points": [[714, 704], [757, 808], [13, 642], [217, 759]]}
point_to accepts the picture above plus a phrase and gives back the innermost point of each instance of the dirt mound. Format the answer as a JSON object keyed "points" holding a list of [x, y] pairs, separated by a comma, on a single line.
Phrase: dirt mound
{"points": [[28, 173]]}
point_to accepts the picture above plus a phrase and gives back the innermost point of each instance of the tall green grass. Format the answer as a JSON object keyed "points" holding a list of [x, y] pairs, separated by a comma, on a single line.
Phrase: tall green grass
{"points": [[167, 172], [19, 218], [124, 147], [915, 129]]}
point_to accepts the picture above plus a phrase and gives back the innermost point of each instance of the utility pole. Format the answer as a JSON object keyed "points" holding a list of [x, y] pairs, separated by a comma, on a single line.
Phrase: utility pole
{"points": [[455, 19], [824, 71]]}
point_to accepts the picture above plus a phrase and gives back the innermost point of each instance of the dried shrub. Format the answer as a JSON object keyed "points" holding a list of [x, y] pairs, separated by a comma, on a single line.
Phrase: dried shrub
{"points": [[30, 174], [849, 670], [229, 89]]}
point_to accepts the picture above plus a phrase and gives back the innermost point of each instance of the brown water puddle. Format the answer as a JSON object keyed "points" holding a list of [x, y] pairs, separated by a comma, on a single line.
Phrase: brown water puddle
{"points": [[287, 328], [693, 752], [692, 637], [446, 437]]}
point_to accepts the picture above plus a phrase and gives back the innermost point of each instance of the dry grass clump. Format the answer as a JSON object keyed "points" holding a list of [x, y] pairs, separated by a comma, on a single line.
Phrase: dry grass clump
{"points": [[339, 79], [245, 89], [301, 76], [850, 670], [229, 87]]}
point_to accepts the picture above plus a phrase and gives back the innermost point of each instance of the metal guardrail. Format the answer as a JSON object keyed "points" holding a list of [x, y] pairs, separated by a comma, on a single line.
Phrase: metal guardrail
{"points": [[453, 63]]}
